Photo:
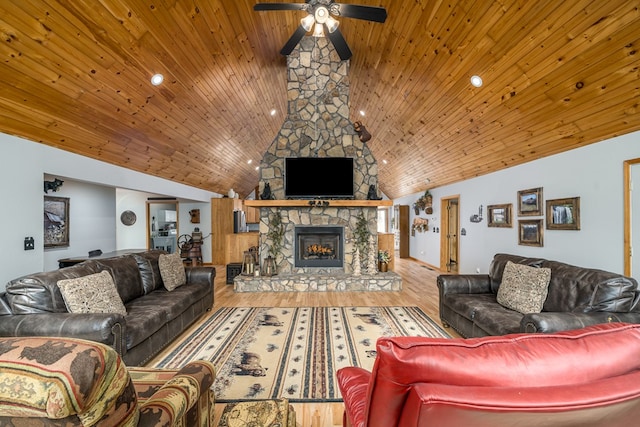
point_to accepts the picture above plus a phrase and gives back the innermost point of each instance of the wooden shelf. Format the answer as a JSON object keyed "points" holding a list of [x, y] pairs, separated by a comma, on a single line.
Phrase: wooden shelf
{"points": [[317, 203]]}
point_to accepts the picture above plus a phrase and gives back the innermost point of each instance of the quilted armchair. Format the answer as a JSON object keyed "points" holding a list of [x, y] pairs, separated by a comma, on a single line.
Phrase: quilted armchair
{"points": [[71, 382], [586, 377]]}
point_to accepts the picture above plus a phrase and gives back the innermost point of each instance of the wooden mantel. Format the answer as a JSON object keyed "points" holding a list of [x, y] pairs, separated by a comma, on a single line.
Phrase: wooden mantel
{"points": [[317, 203]]}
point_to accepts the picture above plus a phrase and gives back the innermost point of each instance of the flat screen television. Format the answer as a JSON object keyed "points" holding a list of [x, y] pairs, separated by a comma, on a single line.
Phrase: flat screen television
{"points": [[318, 177]]}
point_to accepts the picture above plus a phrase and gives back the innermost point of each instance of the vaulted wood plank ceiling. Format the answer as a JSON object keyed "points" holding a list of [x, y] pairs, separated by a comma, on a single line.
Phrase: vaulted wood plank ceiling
{"points": [[558, 75]]}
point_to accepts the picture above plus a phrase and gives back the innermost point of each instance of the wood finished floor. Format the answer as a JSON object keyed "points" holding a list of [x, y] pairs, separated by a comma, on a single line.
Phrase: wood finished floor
{"points": [[419, 289]]}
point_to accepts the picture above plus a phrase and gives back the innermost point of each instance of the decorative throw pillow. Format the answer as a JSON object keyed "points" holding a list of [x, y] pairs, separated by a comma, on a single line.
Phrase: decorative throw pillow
{"points": [[523, 288], [172, 271], [95, 293]]}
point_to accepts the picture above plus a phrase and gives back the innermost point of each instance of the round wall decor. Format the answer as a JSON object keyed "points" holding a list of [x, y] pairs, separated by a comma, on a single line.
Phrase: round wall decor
{"points": [[128, 217]]}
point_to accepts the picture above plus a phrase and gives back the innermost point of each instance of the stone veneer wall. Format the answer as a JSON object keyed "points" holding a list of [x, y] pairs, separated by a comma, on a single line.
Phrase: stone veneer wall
{"points": [[317, 125]]}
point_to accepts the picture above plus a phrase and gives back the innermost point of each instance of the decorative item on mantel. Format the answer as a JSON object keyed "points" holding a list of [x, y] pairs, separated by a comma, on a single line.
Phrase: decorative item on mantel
{"points": [[362, 131], [383, 261], [373, 193], [372, 265], [266, 192]]}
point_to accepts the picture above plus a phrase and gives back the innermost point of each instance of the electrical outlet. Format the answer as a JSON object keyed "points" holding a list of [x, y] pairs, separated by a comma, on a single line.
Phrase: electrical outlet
{"points": [[29, 244]]}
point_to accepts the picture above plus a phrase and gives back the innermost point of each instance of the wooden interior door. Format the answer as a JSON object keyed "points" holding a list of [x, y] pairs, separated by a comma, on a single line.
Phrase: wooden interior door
{"points": [[631, 217], [449, 241], [403, 222]]}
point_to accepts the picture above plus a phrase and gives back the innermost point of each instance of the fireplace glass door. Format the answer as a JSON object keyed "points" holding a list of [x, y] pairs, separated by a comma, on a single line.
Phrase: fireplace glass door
{"points": [[319, 246]]}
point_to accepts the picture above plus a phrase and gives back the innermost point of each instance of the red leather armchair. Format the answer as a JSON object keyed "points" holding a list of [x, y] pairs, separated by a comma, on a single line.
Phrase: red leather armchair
{"points": [[585, 377]]}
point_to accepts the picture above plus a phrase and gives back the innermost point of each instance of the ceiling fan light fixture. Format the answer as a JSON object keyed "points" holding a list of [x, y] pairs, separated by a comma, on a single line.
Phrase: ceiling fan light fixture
{"points": [[307, 22], [321, 14], [318, 31], [332, 24]]}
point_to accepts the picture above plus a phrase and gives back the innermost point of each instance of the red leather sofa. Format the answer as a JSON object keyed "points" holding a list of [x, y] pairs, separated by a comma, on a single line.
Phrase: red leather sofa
{"points": [[585, 377]]}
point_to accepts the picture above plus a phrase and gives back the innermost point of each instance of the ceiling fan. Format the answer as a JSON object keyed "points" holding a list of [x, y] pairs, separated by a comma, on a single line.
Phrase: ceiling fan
{"points": [[319, 13]]}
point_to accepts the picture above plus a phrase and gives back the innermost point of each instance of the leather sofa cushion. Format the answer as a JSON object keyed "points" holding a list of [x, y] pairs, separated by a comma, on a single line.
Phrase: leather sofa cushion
{"points": [[126, 276], [580, 289], [39, 292], [149, 270]]}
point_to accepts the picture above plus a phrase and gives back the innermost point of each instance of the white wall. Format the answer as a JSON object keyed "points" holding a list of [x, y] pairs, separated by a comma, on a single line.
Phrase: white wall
{"points": [[23, 166], [593, 173]]}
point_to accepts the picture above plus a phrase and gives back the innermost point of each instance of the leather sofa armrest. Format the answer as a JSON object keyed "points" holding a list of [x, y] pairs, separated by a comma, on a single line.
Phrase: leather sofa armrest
{"points": [[104, 328], [464, 284], [200, 274], [171, 402], [560, 321]]}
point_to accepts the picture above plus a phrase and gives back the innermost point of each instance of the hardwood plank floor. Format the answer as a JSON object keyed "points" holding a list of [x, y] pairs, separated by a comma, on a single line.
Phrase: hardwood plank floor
{"points": [[418, 289]]}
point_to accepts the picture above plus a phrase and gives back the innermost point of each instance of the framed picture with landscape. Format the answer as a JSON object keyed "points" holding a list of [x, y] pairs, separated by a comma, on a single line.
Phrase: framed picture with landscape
{"points": [[563, 214], [56, 222], [499, 215], [530, 202], [530, 232]]}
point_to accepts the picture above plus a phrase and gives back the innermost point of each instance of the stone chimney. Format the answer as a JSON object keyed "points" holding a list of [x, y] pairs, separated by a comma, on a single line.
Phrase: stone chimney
{"points": [[317, 123]]}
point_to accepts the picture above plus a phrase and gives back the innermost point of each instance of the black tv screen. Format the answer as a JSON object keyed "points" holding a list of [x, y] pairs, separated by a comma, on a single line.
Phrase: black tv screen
{"points": [[318, 177]]}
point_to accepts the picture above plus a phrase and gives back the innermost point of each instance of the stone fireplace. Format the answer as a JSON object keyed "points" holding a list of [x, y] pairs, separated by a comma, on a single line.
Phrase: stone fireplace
{"points": [[317, 125]]}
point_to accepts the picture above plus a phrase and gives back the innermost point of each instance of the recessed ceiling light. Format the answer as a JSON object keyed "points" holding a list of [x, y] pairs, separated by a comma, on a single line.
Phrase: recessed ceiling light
{"points": [[362, 113], [273, 112], [476, 81], [257, 168], [249, 161], [385, 161], [157, 79]]}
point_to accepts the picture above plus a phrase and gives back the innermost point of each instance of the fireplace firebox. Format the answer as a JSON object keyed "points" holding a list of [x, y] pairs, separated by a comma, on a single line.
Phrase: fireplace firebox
{"points": [[320, 246]]}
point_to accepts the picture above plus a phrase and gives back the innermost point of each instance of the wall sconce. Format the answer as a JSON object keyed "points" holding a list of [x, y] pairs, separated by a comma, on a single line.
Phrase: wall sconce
{"points": [[478, 217]]}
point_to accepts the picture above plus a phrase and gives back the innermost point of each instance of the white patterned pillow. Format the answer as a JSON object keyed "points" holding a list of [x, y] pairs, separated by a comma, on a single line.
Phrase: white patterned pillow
{"points": [[523, 288], [172, 271], [95, 293]]}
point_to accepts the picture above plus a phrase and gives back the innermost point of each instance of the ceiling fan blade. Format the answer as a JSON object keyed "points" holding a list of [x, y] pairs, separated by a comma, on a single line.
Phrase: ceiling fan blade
{"points": [[339, 43], [293, 40], [280, 6], [368, 13]]}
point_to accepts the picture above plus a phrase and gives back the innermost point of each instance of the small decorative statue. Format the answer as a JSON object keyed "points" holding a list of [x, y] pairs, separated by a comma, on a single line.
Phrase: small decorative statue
{"points": [[266, 192], [372, 262], [373, 193], [356, 263], [362, 132]]}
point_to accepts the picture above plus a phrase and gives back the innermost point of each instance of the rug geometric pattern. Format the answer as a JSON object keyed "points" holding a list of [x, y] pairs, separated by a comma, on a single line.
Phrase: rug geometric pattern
{"points": [[273, 352]]}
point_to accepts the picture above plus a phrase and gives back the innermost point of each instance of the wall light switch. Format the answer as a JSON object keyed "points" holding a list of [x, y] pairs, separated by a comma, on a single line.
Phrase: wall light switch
{"points": [[29, 244]]}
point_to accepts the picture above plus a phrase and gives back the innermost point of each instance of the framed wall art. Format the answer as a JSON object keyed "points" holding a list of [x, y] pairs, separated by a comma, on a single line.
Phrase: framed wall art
{"points": [[530, 232], [530, 202], [56, 222], [499, 215], [563, 214]]}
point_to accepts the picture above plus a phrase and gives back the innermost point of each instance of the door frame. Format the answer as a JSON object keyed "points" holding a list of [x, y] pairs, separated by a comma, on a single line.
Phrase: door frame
{"points": [[626, 185], [445, 228]]}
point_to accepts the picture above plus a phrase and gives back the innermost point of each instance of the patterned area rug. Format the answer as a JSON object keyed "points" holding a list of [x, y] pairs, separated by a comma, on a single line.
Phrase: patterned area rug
{"points": [[268, 353]]}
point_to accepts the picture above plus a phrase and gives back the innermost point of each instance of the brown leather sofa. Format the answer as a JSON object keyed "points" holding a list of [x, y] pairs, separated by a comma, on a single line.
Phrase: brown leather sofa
{"points": [[587, 377], [32, 305], [577, 297]]}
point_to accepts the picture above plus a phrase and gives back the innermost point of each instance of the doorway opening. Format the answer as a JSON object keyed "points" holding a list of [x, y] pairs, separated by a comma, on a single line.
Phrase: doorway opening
{"points": [[449, 242], [162, 225]]}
